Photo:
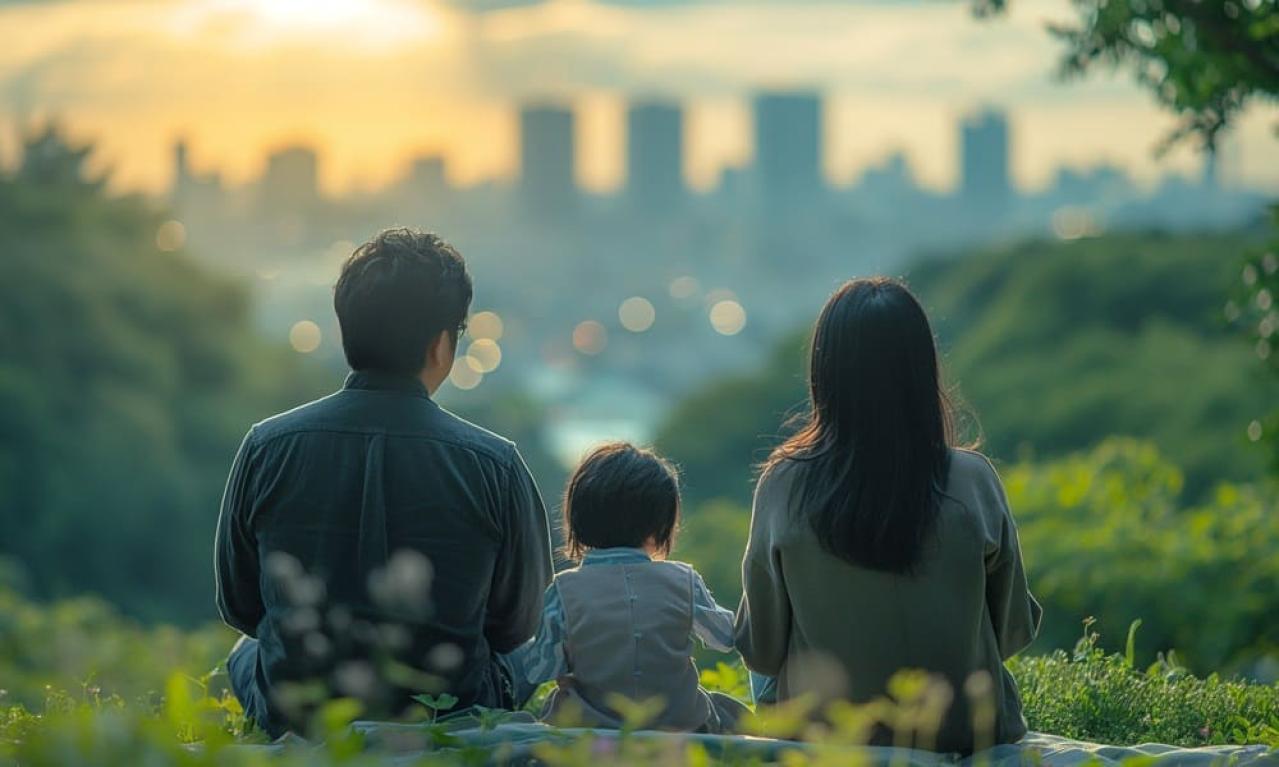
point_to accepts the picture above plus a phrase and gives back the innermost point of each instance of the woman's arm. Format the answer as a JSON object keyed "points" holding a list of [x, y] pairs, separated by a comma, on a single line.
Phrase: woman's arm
{"points": [[1013, 609], [764, 615]]}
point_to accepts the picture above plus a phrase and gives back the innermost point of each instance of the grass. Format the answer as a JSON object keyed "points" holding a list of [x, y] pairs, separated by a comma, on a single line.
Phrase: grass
{"points": [[82, 685], [1086, 694]]}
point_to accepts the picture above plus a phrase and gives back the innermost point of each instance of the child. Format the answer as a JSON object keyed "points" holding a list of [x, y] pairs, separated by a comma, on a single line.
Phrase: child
{"points": [[623, 621]]}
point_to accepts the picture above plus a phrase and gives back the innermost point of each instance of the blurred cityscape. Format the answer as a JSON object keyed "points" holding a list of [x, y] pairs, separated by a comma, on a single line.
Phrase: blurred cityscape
{"points": [[655, 287]]}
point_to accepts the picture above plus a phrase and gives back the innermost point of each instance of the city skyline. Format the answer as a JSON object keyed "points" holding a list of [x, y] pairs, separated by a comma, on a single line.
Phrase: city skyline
{"points": [[369, 84], [785, 169]]}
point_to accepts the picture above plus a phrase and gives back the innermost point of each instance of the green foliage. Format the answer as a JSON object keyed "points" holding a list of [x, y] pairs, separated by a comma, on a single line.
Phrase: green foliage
{"points": [[728, 679], [721, 431], [1203, 61], [127, 377], [1058, 345], [1086, 695], [1108, 533], [1103, 698], [1255, 308], [85, 644], [436, 704], [714, 537]]}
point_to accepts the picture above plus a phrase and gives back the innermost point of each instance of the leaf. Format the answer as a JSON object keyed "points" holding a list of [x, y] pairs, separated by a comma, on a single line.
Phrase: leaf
{"points": [[1130, 650]]}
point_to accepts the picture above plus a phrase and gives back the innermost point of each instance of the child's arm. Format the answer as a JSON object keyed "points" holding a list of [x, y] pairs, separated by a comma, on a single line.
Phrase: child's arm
{"points": [[711, 623], [541, 658]]}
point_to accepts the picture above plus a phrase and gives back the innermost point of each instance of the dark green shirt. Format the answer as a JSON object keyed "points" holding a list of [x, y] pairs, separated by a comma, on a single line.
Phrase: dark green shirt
{"points": [[375, 515]]}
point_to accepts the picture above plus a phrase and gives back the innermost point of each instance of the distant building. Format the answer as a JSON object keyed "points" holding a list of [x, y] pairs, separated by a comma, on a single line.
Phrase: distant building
{"points": [[655, 156], [290, 185], [984, 177], [427, 181], [192, 191], [547, 178], [892, 179], [1102, 184], [788, 147]]}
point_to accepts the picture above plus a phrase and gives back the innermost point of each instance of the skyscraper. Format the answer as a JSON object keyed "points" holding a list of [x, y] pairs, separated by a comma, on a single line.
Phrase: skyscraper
{"points": [[655, 156], [788, 147], [290, 184], [547, 182], [193, 192], [984, 178]]}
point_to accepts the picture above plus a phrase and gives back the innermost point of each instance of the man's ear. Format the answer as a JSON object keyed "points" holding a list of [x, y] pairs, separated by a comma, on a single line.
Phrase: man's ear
{"points": [[442, 350]]}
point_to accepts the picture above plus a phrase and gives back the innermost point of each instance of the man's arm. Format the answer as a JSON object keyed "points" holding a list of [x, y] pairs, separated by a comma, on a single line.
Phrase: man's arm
{"points": [[524, 568], [235, 553]]}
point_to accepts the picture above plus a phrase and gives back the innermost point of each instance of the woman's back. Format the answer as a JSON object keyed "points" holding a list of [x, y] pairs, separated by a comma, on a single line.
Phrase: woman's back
{"points": [[839, 630]]}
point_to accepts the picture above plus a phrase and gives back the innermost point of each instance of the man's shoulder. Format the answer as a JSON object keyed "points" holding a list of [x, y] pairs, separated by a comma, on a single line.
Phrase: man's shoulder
{"points": [[432, 423], [472, 436], [300, 418]]}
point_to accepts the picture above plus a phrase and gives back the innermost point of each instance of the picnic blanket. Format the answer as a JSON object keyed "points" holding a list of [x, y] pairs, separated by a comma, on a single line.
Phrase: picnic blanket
{"points": [[514, 742]]}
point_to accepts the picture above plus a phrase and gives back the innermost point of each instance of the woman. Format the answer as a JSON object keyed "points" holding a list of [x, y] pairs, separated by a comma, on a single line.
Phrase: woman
{"points": [[875, 544]]}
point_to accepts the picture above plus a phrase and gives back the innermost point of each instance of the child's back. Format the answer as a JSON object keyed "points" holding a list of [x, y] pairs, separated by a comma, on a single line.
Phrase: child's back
{"points": [[629, 631], [622, 623]]}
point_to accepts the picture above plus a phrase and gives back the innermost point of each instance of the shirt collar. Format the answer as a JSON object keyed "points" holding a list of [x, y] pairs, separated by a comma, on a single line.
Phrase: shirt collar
{"points": [[615, 556], [373, 380]]}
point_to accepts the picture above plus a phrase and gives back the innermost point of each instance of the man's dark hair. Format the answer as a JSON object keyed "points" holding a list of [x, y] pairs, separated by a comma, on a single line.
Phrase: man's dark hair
{"points": [[396, 293], [621, 495]]}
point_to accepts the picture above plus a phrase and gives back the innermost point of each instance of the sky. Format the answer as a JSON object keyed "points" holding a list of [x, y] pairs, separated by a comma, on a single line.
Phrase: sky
{"points": [[371, 83]]}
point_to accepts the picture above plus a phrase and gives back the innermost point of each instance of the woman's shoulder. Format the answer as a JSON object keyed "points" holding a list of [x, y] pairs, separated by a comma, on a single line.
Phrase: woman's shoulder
{"points": [[970, 466], [780, 469], [974, 483]]}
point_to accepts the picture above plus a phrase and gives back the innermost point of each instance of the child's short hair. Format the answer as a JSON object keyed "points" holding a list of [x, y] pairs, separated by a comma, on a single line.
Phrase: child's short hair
{"points": [[621, 495]]}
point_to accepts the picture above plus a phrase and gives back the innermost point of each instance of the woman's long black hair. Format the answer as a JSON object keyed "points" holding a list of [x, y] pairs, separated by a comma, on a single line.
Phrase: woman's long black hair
{"points": [[876, 442]]}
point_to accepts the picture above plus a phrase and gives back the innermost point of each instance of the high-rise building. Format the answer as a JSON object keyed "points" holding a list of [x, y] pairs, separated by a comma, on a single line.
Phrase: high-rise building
{"points": [[655, 156], [984, 177], [427, 180], [788, 147], [547, 182], [193, 192], [290, 184]]}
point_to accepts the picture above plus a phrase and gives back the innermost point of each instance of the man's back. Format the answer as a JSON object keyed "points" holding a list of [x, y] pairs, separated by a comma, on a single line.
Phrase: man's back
{"points": [[386, 527]]}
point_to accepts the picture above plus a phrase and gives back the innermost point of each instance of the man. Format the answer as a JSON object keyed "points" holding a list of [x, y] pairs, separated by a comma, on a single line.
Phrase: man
{"points": [[371, 542]]}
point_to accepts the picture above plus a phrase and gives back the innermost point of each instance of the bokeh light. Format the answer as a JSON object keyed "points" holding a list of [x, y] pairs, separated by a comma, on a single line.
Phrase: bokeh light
{"points": [[171, 236], [464, 375], [1072, 223], [684, 287], [305, 336], [486, 325], [590, 337], [636, 314], [485, 353], [1254, 431], [728, 317]]}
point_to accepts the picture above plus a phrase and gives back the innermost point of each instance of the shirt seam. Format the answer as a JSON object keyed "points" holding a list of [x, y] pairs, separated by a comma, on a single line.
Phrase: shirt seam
{"points": [[261, 441]]}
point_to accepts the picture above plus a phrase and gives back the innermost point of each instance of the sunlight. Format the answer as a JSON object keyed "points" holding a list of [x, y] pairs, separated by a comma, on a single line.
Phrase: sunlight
{"points": [[381, 21]]}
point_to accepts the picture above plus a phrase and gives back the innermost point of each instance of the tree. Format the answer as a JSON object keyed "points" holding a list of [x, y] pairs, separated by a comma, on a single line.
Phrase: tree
{"points": [[1205, 61], [127, 377]]}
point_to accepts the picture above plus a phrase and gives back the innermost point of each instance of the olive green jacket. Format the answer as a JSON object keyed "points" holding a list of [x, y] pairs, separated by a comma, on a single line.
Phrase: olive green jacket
{"points": [[834, 630]]}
